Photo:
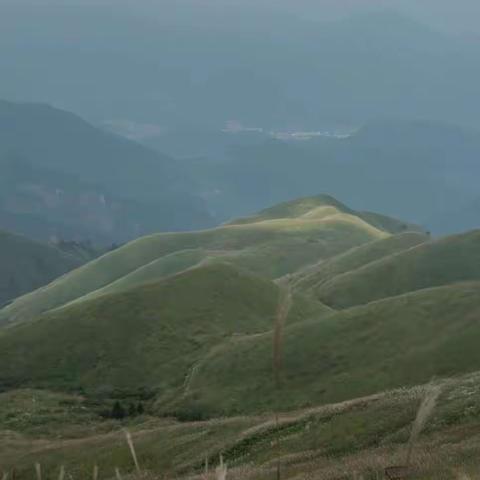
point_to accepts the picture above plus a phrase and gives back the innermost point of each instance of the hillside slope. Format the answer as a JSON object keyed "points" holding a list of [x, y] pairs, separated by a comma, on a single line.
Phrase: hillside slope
{"points": [[435, 263], [316, 275], [268, 247], [322, 207], [27, 265], [71, 178], [400, 341], [335, 441], [150, 337]]}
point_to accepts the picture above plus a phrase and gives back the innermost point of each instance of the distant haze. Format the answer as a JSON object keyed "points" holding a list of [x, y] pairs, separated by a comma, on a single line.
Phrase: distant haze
{"points": [[457, 16], [275, 64], [233, 81], [460, 16]]}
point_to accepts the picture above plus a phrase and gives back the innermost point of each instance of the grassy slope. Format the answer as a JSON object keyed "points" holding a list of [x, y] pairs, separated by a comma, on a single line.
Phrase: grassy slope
{"points": [[361, 436], [322, 206], [355, 258], [400, 341], [157, 269], [390, 224], [269, 247], [440, 262], [150, 336], [27, 265]]}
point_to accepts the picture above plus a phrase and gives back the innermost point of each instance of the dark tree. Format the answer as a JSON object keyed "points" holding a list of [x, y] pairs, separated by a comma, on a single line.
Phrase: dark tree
{"points": [[118, 412], [140, 409], [132, 410]]}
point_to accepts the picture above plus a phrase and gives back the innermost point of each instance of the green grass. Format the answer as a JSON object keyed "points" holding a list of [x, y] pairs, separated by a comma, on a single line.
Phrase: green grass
{"points": [[313, 277], [324, 206], [150, 337], [320, 205], [439, 262], [270, 248], [365, 435], [46, 414], [396, 342], [185, 321], [157, 269], [27, 265]]}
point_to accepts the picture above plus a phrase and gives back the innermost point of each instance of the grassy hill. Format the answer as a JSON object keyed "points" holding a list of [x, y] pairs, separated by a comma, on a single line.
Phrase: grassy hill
{"points": [[201, 342], [439, 262], [27, 265], [149, 337], [323, 207], [312, 207], [186, 324], [318, 274], [406, 340], [270, 247], [162, 267], [335, 441], [190, 315]]}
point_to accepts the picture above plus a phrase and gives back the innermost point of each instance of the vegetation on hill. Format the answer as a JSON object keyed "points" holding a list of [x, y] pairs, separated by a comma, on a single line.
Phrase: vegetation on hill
{"points": [[268, 247], [150, 337], [26, 265], [311, 278], [438, 262], [313, 207], [173, 329], [364, 436], [162, 267], [322, 207], [400, 341]]}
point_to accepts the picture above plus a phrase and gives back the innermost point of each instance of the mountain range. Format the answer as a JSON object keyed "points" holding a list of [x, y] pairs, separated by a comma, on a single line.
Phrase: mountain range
{"points": [[28, 265], [60, 177], [305, 73], [373, 168], [74, 181], [359, 282], [330, 317], [178, 300]]}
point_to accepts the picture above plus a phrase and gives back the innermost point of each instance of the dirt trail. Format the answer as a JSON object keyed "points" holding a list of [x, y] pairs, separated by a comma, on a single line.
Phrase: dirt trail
{"points": [[213, 351]]}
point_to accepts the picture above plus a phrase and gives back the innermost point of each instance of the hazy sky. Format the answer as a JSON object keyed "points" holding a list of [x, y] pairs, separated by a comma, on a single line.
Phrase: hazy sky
{"points": [[455, 15]]}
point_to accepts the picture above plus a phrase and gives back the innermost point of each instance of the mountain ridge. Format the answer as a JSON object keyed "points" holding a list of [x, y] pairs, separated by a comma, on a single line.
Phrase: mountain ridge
{"points": [[27, 265], [271, 248], [74, 176]]}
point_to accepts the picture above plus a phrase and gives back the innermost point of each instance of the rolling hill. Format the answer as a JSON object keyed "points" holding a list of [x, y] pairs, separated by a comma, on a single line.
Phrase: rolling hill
{"points": [[311, 278], [150, 337], [271, 247], [325, 207], [187, 323], [195, 344], [27, 265], [190, 316], [400, 341], [439, 262]]}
